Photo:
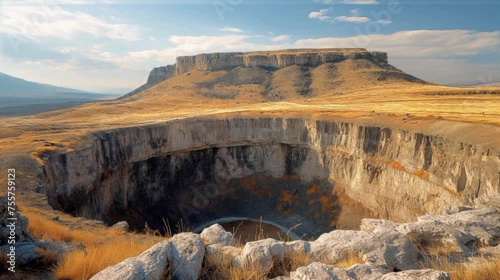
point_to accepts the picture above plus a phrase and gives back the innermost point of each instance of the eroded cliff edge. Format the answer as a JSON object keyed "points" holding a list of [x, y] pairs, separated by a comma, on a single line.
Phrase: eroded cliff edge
{"points": [[284, 170]]}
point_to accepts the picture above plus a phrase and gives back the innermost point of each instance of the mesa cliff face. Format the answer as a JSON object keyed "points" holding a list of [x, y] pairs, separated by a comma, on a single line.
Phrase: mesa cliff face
{"points": [[272, 60], [284, 170]]}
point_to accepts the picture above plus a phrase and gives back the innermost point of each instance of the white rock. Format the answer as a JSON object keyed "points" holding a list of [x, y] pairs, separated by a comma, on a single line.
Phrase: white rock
{"points": [[382, 247], [392, 250], [187, 253], [371, 224], [479, 227], [319, 271], [339, 244], [260, 254], [123, 225], [216, 234], [149, 265], [366, 271], [422, 274]]}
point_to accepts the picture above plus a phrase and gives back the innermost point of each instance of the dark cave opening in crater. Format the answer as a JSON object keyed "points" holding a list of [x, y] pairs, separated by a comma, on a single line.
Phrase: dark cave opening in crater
{"points": [[195, 189], [246, 188]]}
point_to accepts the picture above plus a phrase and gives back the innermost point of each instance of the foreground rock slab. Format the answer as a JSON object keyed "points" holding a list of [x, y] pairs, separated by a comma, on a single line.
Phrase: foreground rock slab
{"points": [[187, 253], [149, 265], [216, 234], [380, 247], [422, 274]]}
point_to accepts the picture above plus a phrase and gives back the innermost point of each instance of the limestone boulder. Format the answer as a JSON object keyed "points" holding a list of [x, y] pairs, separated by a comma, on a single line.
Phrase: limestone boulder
{"points": [[339, 244], [383, 247], [260, 254], [187, 252], [421, 274], [372, 224], [393, 250], [123, 225], [151, 264], [366, 271], [319, 271], [216, 234], [464, 229]]}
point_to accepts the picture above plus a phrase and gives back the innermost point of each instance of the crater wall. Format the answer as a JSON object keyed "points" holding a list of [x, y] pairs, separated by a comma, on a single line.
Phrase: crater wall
{"points": [[284, 170]]}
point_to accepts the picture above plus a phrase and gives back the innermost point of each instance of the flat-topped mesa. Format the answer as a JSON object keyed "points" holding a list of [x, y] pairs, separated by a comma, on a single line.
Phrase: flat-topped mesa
{"points": [[269, 60], [273, 59]]}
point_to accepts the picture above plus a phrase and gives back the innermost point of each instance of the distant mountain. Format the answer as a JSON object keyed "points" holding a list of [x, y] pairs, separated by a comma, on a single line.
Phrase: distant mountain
{"points": [[18, 96]]}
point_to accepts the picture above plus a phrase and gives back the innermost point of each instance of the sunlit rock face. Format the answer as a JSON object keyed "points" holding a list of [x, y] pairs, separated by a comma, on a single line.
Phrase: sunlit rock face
{"points": [[288, 171], [270, 60]]}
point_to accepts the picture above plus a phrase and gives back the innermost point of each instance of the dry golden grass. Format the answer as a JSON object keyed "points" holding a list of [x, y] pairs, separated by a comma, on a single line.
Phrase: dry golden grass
{"points": [[218, 266], [42, 227], [484, 269], [84, 264], [177, 98], [481, 268], [438, 256], [350, 259], [104, 246], [437, 249]]}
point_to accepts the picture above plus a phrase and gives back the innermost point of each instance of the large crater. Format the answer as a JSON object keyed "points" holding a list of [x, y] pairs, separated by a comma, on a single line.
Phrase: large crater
{"points": [[307, 176]]}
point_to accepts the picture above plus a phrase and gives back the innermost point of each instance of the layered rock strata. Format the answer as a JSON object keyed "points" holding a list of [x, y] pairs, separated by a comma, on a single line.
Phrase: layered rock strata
{"points": [[283, 170]]}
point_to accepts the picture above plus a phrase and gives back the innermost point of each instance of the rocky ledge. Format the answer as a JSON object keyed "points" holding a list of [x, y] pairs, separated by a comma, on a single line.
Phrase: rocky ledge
{"points": [[387, 250]]}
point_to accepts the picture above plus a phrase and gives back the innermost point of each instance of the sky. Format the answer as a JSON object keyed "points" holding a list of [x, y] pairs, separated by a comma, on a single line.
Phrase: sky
{"points": [[110, 46]]}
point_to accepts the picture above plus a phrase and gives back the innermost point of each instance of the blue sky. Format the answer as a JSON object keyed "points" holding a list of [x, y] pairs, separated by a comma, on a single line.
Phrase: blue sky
{"points": [[110, 46]]}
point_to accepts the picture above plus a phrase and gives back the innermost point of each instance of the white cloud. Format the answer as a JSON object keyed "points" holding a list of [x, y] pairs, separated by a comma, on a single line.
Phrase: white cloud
{"points": [[53, 21], [384, 21], [415, 43], [321, 15], [352, 18], [189, 45], [279, 38], [231, 29]]}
